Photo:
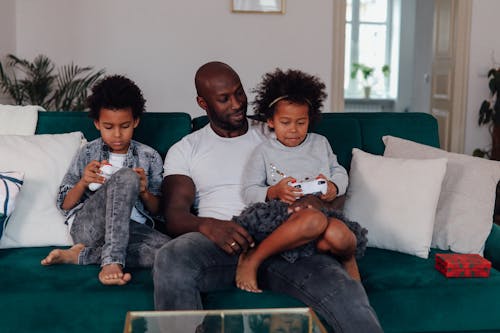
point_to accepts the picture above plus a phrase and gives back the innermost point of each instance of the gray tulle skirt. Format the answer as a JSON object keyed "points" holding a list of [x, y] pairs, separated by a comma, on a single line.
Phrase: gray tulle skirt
{"points": [[262, 218]]}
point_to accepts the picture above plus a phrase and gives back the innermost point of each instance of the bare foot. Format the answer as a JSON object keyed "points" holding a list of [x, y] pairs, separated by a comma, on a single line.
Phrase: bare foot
{"points": [[59, 256], [246, 273], [112, 274]]}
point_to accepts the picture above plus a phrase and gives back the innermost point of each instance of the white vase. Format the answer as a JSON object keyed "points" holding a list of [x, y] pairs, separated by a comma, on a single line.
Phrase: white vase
{"points": [[367, 91]]}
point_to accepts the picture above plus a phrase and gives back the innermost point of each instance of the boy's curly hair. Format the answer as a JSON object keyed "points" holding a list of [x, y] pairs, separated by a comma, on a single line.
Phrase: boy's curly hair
{"points": [[292, 85], [115, 92]]}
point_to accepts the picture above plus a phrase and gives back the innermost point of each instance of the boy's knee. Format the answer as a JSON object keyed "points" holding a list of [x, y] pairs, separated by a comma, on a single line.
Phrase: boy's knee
{"points": [[128, 176]]}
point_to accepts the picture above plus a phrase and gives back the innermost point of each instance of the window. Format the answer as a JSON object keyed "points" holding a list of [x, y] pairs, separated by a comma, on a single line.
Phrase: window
{"points": [[370, 48]]}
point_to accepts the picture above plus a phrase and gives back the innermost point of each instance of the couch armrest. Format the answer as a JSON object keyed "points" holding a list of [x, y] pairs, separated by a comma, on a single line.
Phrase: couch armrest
{"points": [[492, 247]]}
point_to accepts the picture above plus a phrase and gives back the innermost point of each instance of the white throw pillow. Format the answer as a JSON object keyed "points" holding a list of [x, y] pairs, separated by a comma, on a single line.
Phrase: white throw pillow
{"points": [[10, 185], [44, 160], [464, 215], [395, 199]]}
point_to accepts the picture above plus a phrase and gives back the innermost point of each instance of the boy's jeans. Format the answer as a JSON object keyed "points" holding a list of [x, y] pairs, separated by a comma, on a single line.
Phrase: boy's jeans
{"points": [[103, 225]]}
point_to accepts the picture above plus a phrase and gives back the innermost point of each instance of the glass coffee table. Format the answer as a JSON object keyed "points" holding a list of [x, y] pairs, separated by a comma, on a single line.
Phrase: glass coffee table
{"points": [[287, 320]]}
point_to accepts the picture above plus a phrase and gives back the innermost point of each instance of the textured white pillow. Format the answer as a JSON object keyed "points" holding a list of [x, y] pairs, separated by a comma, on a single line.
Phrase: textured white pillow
{"points": [[464, 215], [44, 160], [395, 199], [10, 185]]}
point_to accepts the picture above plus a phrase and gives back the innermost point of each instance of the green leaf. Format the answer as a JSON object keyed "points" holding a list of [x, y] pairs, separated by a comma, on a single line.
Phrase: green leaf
{"points": [[38, 83]]}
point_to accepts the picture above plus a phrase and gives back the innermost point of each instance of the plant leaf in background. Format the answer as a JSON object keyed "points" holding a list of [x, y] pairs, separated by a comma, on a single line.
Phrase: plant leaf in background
{"points": [[73, 83], [37, 83]]}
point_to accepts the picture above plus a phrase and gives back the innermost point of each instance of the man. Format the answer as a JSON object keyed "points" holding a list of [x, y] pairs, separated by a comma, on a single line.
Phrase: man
{"points": [[205, 170]]}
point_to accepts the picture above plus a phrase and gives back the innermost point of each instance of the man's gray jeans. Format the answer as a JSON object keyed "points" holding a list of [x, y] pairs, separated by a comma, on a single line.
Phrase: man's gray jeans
{"points": [[192, 264]]}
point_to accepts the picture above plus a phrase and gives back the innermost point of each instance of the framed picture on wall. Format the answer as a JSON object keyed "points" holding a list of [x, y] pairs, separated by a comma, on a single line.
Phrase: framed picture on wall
{"points": [[258, 6]]}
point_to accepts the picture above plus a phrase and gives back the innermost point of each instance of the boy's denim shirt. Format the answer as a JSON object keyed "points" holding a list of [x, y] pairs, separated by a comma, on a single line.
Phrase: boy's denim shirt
{"points": [[138, 156]]}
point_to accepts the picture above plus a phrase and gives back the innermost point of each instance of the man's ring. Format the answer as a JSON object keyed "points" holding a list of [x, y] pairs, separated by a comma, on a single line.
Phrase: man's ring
{"points": [[232, 244]]}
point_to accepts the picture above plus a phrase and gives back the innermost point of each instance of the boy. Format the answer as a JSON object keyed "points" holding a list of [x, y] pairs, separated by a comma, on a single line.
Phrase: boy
{"points": [[111, 226]]}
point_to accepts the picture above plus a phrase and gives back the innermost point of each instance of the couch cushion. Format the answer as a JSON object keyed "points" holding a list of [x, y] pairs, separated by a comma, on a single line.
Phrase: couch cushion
{"points": [[382, 197], [158, 130], [443, 304], [418, 127], [343, 133], [44, 160], [65, 298], [467, 199], [10, 185]]}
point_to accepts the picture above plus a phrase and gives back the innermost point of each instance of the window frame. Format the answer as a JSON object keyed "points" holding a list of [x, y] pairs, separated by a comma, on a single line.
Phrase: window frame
{"points": [[352, 92]]}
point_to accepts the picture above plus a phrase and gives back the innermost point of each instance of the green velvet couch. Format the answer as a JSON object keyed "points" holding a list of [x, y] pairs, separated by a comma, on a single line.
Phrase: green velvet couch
{"points": [[407, 293]]}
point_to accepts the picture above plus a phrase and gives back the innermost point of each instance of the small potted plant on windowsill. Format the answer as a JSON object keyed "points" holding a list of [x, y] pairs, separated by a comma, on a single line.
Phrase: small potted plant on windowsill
{"points": [[489, 114], [366, 73]]}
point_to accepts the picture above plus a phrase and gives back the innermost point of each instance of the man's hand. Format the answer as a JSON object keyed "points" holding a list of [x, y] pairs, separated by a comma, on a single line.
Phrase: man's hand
{"points": [[228, 235], [283, 191]]}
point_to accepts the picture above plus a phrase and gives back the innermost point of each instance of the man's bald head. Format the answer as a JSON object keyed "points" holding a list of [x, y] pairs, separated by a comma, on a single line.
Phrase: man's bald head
{"points": [[221, 95], [207, 73]]}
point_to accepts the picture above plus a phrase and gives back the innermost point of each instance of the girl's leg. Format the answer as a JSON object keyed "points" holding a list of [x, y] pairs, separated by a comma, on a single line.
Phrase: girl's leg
{"points": [[301, 227], [339, 240]]}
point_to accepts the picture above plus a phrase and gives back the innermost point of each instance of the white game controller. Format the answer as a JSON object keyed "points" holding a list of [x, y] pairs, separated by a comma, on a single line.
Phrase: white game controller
{"points": [[314, 186], [107, 170]]}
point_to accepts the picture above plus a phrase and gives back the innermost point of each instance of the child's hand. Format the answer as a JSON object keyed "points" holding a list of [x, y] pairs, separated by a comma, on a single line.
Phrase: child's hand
{"points": [[283, 191], [91, 173], [331, 190], [143, 187]]}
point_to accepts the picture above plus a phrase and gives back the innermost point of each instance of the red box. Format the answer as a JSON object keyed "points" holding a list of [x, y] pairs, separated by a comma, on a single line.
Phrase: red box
{"points": [[462, 265]]}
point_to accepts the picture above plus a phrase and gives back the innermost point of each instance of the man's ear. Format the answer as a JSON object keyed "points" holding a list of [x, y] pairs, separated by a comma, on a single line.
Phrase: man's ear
{"points": [[201, 102], [96, 124], [136, 122]]}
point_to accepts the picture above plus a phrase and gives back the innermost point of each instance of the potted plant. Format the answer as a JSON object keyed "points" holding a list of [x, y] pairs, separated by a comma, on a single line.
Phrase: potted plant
{"points": [[366, 73], [489, 114], [37, 83]]}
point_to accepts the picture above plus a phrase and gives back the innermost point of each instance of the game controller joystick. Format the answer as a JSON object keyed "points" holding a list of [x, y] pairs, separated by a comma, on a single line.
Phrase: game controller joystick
{"points": [[107, 170], [315, 186]]}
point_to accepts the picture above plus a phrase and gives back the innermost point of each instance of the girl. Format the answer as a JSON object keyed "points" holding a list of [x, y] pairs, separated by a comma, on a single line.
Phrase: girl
{"points": [[290, 102]]}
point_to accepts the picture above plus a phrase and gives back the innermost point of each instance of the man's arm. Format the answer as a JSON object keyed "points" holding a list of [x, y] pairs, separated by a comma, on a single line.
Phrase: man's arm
{"points": [[178, 197]]}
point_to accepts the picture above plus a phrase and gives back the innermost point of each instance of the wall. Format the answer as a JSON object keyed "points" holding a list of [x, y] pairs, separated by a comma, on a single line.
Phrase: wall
{"points": [[160, 44], [484, 41], [423, 62], [406, 69], [7, 31]]}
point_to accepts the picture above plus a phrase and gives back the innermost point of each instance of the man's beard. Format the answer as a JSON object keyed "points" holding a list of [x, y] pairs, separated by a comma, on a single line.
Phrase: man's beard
{"points": [[226, 124]]}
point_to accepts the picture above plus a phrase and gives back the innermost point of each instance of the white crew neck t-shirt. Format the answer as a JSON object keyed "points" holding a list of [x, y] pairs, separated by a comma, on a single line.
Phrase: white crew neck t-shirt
{"points": [[215, 164]]}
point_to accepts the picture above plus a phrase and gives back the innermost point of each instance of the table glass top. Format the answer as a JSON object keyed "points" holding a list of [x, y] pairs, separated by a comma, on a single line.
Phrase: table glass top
{"points": [[289, 320]]}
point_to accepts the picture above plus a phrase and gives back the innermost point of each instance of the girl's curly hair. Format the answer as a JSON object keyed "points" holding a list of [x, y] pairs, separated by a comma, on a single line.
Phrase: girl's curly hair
{"points": [[116, 92], [292, 85]]}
